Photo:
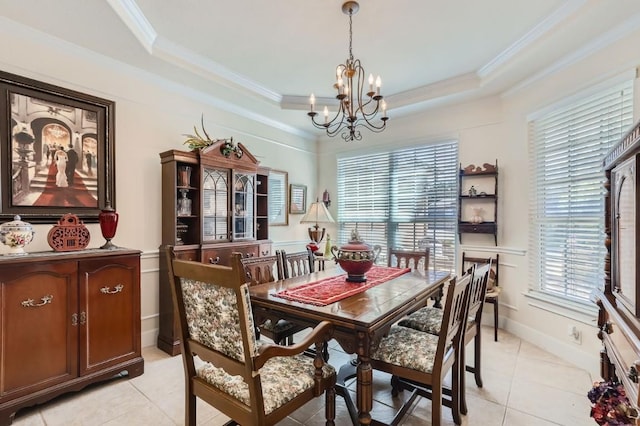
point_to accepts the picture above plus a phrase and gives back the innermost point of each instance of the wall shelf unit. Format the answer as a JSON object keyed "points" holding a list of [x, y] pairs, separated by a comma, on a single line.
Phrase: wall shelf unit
{"points": [[478, 200]]}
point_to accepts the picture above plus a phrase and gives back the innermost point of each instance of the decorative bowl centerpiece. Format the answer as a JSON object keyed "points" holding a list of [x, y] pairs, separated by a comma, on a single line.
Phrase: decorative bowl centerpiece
{"points": [[16, 235], [356, 257]]}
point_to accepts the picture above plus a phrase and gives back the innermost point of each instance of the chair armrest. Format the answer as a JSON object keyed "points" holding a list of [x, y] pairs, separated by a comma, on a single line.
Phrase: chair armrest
{"points": [[320, 334]]}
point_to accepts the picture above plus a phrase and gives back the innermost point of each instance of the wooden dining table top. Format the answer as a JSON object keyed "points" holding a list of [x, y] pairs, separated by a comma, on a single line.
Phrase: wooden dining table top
{"points": [[363, 311]]}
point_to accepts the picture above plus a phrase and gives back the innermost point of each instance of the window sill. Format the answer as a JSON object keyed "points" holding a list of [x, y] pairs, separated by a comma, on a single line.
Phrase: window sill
{"points": [[569, 309]]}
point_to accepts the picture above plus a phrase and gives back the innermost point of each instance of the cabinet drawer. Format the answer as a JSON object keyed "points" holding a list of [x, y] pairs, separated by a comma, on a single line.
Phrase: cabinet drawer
{"points": [[222, 255], [624, 355], [480, 228]]}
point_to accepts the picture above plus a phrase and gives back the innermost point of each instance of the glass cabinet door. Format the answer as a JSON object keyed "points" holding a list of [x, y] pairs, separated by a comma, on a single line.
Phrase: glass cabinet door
{"points": [[215, 202], [244, 206]]}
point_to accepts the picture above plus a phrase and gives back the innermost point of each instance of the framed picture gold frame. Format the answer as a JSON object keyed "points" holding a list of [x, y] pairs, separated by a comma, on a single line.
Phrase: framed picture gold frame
{"points": [[297, 199]]}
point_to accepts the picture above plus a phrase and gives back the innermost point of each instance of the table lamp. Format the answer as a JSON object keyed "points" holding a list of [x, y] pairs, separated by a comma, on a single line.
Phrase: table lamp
{"points": [[316, 214]]}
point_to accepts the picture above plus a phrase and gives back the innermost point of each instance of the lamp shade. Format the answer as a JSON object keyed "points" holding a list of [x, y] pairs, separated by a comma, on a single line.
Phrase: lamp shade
{"points": [[317, 213]]}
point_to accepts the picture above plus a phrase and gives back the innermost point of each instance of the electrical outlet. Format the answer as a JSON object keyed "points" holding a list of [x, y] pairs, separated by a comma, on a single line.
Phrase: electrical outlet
{"points": [[575, 334]]}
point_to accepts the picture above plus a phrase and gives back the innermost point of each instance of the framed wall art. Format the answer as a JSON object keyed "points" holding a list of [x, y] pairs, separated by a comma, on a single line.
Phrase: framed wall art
{"points": [[297, 199], [57, 151], [278, 211]]}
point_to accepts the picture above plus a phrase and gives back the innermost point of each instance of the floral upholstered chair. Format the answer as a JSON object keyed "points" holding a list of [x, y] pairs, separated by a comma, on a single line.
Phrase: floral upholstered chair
{"points": [[251, 382], [429, 320], [420, 361], [260, 270]]}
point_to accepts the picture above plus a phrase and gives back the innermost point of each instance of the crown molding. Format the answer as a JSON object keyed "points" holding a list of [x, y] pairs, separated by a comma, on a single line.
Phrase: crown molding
{"points": [[620, 31], [129, 12], [559, 15]]}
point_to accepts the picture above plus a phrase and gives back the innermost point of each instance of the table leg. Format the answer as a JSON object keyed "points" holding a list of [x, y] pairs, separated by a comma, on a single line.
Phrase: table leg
{"points": [[364, 393]]}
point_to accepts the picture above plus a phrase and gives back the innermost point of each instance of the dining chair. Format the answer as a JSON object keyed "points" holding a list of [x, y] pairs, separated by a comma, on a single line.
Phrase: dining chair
{"points": [[260, 270], [429, 320], [295, 264], [252, 382], [420, 361], [493, 290], [416, 260]]}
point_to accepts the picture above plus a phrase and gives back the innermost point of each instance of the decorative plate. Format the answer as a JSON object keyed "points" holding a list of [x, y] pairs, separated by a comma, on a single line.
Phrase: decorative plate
{"points": [[69, 234]]}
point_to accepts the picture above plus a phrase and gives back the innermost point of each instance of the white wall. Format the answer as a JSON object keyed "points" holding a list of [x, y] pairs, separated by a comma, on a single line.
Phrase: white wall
{"points": [[151, 116]]}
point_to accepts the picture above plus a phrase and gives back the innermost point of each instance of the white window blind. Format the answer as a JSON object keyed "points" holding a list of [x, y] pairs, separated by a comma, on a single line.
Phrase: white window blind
{"points": [[405, 199], [567, 147]]}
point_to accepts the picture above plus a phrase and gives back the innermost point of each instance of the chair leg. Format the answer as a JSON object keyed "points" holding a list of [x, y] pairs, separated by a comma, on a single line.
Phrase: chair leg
{"points": [[457, 391], [190, 409], [477, 344], [461, 382], [436, 404], [330, 406], [495, 320]]}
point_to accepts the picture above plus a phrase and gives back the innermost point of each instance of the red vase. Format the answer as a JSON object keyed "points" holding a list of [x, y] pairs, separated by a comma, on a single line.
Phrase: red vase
{"points": [[108, 219]]}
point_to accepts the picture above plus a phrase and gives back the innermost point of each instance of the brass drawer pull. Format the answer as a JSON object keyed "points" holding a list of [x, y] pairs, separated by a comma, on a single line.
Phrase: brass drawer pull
{"points": [[107, 290], [83, 317], [30, 303], [74, 319], [214, 260]]}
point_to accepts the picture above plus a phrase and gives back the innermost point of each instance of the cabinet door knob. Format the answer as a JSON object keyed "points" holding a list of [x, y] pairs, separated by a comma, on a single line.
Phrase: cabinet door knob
{"points": [[30, 303], [214, 261]]}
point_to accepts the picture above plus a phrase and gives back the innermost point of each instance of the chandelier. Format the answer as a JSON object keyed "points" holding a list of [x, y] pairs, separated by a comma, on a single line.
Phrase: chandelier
{"points": [[356, 108]]}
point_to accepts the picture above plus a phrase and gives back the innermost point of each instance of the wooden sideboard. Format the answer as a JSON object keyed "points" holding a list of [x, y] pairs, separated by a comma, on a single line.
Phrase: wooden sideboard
{"points": [[619, 300], [67, 319]]}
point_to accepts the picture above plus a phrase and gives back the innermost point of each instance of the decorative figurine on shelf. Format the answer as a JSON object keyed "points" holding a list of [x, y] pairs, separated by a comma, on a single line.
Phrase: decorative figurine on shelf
{"points": [[477, 215], [108, 219], [69, 234], [473, 191], [184, 204], [16, 235]]}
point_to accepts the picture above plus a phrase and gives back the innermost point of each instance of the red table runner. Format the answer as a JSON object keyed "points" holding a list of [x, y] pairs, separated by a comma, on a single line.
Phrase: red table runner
{"points": [[333, 289]]}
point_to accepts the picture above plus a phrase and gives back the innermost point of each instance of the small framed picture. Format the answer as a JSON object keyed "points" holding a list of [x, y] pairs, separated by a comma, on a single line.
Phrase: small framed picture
{"points": [[297, 199]]}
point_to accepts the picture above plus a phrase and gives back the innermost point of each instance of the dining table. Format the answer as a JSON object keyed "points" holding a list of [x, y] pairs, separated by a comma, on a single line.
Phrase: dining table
{"points": [[359, 320]]}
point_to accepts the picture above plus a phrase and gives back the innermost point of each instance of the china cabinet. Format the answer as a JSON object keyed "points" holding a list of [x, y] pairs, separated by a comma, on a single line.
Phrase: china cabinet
{"points": [[67, 319], [478, 200], [214, 203], [619, 300]]}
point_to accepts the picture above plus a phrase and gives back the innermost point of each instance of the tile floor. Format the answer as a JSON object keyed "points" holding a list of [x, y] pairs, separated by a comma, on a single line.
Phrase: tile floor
{"points": [[523, 386]]}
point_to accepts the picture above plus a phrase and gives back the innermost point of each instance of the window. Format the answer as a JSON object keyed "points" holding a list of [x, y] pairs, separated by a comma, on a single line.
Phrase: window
{"points": [[567, 147], [405, 199]]}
